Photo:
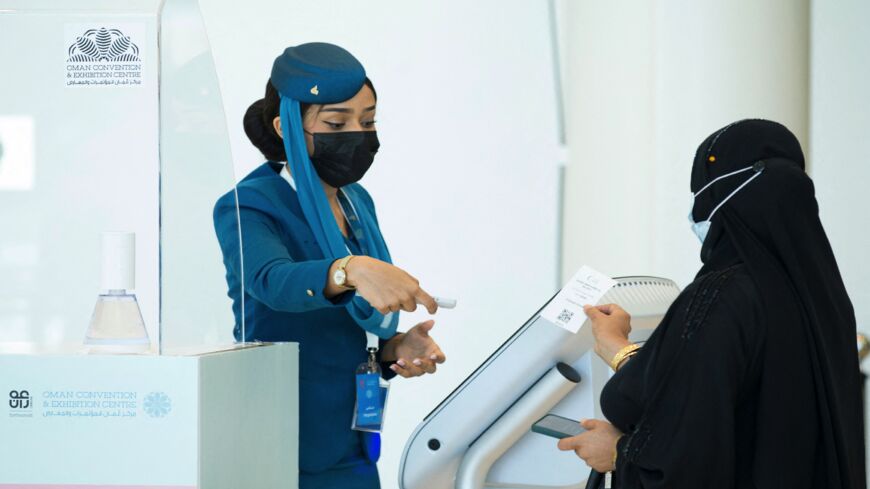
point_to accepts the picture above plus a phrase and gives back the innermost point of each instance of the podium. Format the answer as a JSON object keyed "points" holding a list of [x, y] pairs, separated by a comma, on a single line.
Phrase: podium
{"points": [[112, 120]]}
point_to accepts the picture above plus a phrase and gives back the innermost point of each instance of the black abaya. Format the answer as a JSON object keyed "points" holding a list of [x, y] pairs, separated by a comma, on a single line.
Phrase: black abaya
{"points": [[752, 378]]}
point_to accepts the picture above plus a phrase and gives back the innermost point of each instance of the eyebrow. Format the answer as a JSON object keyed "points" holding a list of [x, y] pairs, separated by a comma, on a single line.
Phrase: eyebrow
{"points": [[345, 110]]}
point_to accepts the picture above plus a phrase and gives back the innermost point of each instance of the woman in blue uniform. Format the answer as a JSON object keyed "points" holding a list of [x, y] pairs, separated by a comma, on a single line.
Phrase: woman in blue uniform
{"points": [[316, 269]]}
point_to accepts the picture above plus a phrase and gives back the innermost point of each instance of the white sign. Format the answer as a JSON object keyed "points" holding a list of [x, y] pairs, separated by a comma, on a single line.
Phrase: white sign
{"points": [[103, 55], [587, 287]]}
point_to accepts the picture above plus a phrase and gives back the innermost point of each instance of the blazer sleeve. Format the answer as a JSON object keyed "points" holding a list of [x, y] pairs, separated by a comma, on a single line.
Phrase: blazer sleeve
{"points": [[270, 274]]}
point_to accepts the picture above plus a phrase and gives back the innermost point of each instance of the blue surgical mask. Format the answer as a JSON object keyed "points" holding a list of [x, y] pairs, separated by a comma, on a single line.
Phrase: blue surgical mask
{"points": [[703, 227]]}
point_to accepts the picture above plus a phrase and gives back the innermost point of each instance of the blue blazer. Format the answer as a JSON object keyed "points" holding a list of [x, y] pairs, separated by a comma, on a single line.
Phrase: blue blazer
{"points": [[284, 275]]}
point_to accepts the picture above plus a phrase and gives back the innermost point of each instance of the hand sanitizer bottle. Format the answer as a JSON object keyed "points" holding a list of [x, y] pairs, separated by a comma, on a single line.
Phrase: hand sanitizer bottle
{"points": [[117, 325]]}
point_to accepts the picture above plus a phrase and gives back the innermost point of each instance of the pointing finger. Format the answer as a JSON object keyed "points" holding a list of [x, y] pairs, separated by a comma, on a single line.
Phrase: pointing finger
{"points": [[427, 301]]}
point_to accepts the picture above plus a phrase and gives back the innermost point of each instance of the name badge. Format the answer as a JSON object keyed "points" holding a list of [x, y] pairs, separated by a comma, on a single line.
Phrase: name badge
{"points": [[369, 410]]}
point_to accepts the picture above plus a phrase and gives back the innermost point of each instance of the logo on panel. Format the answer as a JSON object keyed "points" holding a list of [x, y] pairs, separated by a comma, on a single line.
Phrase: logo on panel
{"points": [[20, 404], [102, 56], [103, 45]]}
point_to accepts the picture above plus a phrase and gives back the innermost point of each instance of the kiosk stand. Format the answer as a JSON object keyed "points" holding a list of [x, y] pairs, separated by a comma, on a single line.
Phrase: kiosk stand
{"points": [[514, 424], [479, 436]]}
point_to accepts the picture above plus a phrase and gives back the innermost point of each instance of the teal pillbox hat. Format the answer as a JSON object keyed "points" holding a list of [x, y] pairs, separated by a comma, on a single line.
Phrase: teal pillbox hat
{"points": [[317, 73]]}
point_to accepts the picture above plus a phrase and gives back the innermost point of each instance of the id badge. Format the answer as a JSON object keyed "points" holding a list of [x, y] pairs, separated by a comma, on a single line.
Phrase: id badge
{"points": [[371, 398]]}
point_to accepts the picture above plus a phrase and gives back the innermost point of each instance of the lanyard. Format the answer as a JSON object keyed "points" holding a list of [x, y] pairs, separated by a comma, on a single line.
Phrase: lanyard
{"points": [[372, 341]]}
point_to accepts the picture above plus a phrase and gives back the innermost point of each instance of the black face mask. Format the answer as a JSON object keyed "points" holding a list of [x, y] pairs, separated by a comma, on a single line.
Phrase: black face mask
{"points": [[342, 158]]}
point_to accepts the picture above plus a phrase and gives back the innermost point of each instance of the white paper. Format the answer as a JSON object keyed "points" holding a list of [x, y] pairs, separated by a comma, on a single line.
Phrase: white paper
{"points": [[586, 287]]}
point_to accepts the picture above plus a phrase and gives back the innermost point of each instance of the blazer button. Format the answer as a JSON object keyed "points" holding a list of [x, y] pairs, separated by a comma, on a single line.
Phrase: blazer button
{"points": [[310, 293]]}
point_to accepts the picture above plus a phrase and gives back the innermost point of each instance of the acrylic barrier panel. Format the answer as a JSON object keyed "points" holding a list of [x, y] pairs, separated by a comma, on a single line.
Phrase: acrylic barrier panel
{"points": [[196, 169], [78, 156]]}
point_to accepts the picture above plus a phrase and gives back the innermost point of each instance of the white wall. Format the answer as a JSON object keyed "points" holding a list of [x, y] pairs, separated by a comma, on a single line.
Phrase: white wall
{"points": [[466, 179], [715, 63], [645, 84], [608, 214], [840, 127], [839, 130]]}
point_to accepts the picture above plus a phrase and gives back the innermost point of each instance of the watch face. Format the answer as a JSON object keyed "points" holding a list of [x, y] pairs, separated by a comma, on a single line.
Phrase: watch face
{"points": [[339, 277]]}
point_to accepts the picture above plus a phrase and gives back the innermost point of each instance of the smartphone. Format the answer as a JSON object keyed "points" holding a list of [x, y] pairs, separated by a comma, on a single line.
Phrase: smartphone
{"points": [[557, 426]]}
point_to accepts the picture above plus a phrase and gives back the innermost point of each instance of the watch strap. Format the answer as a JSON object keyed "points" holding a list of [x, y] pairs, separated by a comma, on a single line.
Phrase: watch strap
{"points": [[342, 265]]}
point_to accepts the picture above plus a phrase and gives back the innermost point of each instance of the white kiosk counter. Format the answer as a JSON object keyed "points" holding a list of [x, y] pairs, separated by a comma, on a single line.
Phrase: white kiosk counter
{"points": [[173, 421]]}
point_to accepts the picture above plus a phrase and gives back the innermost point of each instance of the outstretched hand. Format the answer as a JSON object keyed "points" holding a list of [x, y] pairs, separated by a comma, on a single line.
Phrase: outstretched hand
{"points": [[415, 353]]}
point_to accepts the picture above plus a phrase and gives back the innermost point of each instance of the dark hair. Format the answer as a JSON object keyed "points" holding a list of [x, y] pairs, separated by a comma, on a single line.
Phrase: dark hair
{"points": [[258, 122]]}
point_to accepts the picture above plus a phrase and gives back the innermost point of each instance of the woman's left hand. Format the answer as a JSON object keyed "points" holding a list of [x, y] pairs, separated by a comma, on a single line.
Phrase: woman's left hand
{"points": [[596, 446], [415, 352]]}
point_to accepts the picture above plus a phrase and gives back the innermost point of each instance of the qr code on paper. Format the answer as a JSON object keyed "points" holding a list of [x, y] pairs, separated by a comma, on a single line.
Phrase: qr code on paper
{"points": [[565, 316]]}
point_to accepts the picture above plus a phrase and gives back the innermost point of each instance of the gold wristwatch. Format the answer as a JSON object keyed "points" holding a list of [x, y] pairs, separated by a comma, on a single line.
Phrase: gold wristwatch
{"points": [[339, 277]]}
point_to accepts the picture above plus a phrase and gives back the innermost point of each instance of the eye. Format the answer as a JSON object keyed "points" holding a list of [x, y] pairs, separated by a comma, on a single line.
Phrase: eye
{"points": [[369, 124], [334, 125]]}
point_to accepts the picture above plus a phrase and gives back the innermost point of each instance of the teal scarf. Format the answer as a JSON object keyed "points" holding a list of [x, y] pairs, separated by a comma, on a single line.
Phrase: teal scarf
{"points": [[318, 213]]}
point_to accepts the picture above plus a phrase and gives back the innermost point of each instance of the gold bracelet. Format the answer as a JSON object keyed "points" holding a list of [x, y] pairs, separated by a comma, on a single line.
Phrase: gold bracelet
{"points": [[625, 360], [622, 355]]}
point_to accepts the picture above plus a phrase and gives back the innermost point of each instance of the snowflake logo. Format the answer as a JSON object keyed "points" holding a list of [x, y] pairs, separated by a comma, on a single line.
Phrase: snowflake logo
{"points": [[102, 45], [157, 405]]}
